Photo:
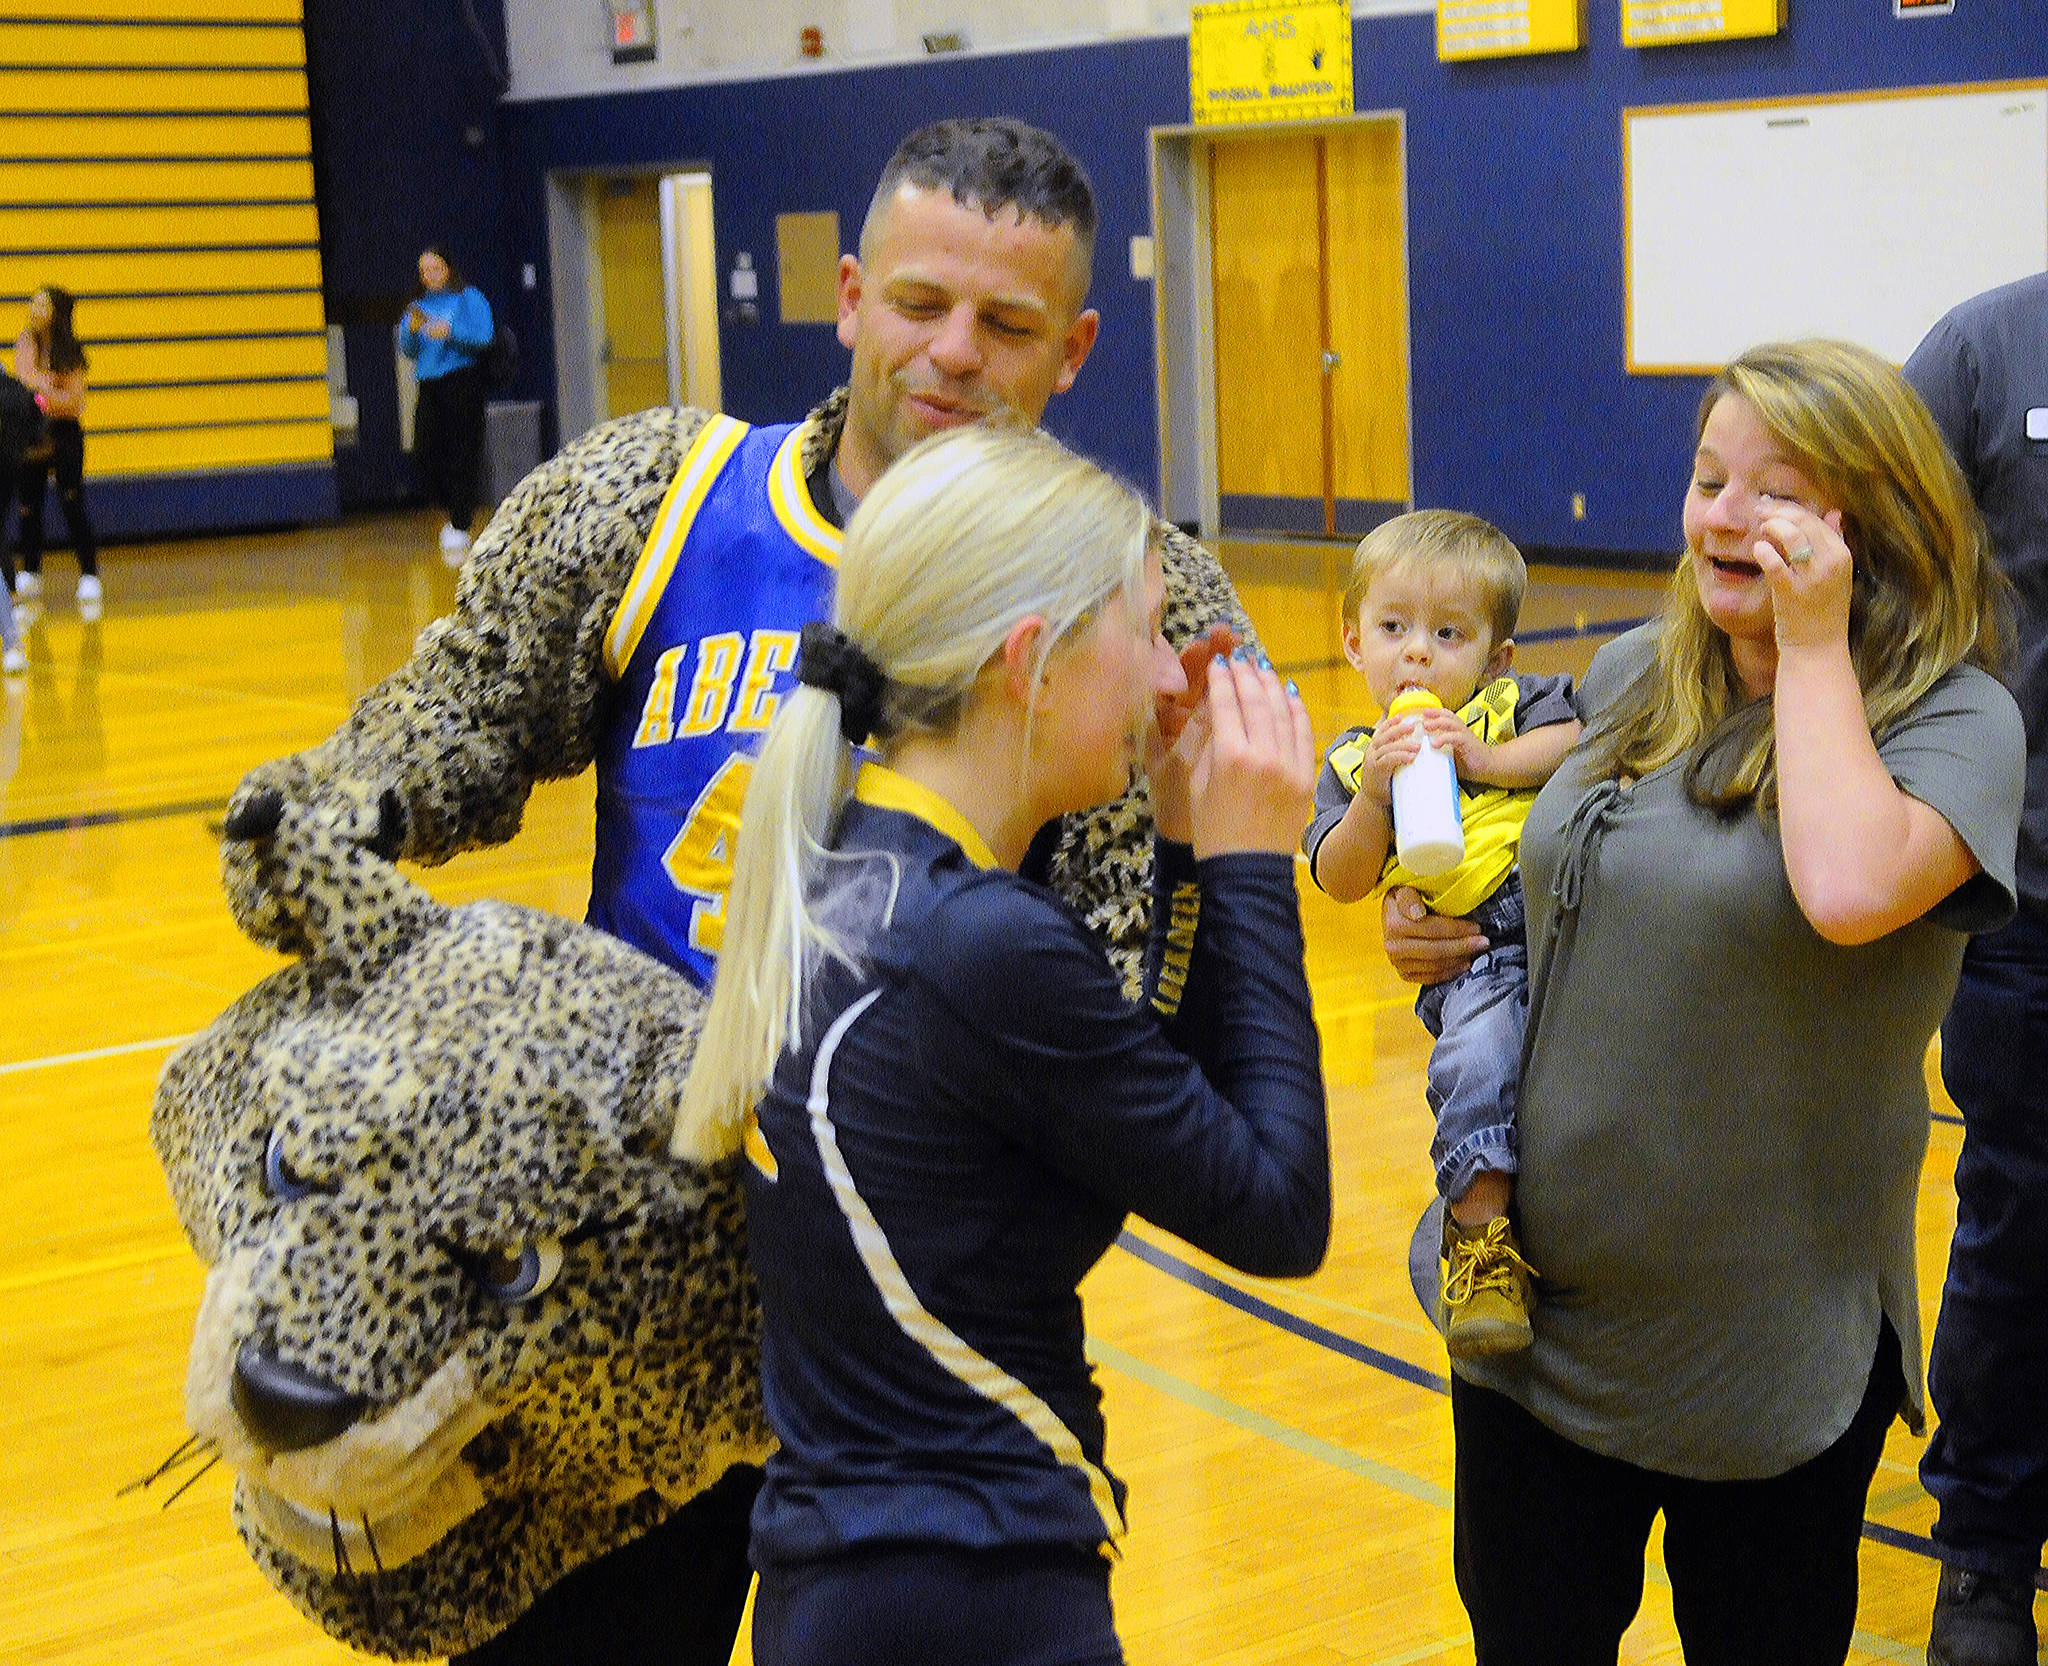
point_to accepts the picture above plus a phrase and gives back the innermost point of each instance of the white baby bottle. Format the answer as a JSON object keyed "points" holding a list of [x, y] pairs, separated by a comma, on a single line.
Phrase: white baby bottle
{"points": [[1429, 831]]}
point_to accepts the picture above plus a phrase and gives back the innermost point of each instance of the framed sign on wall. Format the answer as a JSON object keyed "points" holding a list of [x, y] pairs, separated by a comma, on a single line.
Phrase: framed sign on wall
{"points": [[1507, 28], [1682, 22], [1258, 61]]}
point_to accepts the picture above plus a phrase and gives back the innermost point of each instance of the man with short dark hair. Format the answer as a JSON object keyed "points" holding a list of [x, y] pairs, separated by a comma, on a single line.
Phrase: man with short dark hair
{"points": [[637, 602], [1983, 370]]}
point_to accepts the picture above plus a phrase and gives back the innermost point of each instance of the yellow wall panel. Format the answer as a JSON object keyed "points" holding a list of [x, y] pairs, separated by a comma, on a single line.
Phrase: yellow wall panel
{"points": [[22, 137], [209, 225], [28, 90], [224, 11], [83, 45], [133, 182], [175, 450], [117, 362], [168, 317], [156, 271], [156, 159], [240, 402]]}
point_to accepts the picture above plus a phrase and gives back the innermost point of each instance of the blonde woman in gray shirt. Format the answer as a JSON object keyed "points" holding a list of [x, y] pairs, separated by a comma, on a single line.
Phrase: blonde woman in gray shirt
{"points": [[1749, 890]]}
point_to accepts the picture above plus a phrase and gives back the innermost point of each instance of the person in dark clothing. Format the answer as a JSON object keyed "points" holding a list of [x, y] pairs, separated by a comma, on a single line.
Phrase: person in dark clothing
{"points": [[50, 362], [1983, 370], [446, 331], [21, 426], [947, 1106]]}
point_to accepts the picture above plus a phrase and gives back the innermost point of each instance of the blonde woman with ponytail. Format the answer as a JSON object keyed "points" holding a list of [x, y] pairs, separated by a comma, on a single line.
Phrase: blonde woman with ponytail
{"points": [[946, 1105], [1749, 891]]}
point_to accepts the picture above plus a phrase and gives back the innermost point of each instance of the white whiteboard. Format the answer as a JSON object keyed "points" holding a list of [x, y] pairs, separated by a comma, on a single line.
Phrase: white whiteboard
{"points": [[1866, 219]]}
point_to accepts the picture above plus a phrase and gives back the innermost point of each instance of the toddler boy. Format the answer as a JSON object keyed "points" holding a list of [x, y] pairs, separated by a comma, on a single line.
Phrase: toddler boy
{"points": [[1432, 604]]}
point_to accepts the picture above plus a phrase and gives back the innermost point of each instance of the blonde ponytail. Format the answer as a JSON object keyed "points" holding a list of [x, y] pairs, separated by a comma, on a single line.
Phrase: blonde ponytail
{"points": [[966, 534]]}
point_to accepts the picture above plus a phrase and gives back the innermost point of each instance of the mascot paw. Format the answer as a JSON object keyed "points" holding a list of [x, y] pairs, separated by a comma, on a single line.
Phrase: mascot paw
{"points": [[295, 866]]}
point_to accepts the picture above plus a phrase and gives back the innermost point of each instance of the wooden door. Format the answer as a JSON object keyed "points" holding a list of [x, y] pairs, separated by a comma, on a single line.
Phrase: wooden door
{"points": [[1308, 256], [1368, 310], [1265, 221], [633, 352]]}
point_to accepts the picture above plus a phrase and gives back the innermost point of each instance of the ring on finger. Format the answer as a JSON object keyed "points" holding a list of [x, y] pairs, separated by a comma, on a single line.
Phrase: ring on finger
{"points": [[1800, 554]]}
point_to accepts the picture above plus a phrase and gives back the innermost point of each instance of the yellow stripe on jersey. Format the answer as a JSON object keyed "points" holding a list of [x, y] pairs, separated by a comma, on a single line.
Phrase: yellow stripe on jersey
{"points": [[755, 1144], [882, 787], [791, 499], [926, 1329], [702, 464]]}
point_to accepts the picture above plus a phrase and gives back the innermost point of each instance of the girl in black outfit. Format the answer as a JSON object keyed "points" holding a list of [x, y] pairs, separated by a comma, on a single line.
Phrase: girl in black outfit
{"points": [[49, 359], [947, 1105]]}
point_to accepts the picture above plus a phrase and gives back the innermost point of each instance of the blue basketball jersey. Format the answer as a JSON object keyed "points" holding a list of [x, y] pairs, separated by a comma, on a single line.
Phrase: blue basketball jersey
{"points": [[702, 650]]}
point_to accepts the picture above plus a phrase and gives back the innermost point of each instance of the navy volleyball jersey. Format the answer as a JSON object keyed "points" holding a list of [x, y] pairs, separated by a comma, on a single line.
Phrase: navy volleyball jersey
{"points": [[702, 651], [957, 1138]]}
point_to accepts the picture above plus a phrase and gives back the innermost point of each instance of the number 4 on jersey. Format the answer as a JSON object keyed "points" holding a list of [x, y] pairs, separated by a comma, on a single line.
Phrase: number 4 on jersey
{"points": [[699, 859]]}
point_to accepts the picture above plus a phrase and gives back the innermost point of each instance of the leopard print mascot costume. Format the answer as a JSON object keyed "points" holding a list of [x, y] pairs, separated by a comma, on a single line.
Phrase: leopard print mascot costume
{"points": [[332, 1132]]}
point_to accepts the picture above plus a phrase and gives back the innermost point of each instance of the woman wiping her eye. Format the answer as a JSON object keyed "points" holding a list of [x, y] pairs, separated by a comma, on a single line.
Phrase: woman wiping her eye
{"points": [[1749, 890]]}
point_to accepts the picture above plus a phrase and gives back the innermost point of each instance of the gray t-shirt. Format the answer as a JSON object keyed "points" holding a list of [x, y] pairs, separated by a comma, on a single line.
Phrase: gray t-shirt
{"points": [[1723, 1114], [1982, 370]]}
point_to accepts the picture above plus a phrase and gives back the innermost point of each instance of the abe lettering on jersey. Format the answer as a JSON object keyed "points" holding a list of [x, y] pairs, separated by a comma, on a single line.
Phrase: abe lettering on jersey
{"points": [[731, 687]]}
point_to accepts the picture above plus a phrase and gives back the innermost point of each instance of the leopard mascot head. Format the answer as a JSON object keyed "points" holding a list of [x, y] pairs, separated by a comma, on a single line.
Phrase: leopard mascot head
{"points": [[467, 1324]]}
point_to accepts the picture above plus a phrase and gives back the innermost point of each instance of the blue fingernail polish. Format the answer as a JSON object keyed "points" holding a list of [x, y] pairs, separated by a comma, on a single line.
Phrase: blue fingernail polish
{"points": [[1292, 686], [1265, 664]]}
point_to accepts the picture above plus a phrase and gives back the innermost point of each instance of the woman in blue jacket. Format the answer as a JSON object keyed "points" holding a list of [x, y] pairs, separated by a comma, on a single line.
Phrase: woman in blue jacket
{"points": [[446, 330], [946, 1103]]}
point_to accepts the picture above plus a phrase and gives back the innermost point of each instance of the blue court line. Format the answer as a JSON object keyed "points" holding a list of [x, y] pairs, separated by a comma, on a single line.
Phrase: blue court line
{"points": [[1106, 1354], [108, 818], [1338, 1343], [1920, 1545], [1595, 627], [1173, 1266]]}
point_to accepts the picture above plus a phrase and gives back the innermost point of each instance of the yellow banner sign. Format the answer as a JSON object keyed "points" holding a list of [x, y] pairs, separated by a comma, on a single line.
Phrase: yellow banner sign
{"points": [[1508, 28], [1255, 61], [1680, 22]]}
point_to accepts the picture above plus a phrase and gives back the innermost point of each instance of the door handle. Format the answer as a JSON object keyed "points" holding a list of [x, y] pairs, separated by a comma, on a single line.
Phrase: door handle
{"points": [[1331, 361]]}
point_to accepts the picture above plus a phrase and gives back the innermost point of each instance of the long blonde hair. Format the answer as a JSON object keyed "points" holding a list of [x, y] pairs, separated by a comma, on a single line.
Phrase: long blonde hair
{"points": [[1927, 596], [965, 535]]}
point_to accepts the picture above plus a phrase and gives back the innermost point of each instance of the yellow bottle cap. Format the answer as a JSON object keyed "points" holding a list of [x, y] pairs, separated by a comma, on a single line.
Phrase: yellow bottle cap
{"points": [[1412, 700]]}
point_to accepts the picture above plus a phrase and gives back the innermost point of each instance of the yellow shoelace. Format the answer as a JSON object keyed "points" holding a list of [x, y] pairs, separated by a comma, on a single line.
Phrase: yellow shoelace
{"points": [[1485, 1263]]}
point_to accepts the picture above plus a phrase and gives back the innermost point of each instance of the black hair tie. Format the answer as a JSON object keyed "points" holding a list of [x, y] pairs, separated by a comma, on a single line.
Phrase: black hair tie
{"points": [[831, 660]]}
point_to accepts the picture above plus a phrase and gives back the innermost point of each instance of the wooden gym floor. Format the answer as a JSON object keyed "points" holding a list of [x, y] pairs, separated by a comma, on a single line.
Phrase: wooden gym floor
{"points": [[1287, 1445]]}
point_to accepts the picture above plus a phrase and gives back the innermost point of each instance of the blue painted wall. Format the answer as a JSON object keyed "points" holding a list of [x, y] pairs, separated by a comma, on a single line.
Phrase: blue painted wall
{"points": [[407, 151], [150, 505], [1515, 228]]}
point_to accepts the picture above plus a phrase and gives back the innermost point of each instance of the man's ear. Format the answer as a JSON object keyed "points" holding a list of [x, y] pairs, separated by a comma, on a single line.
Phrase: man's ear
{"points": [[1020, 656], [1074, 351], [1503, 657], [849, 297]]}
